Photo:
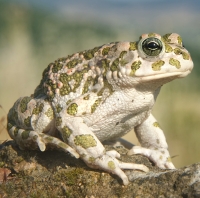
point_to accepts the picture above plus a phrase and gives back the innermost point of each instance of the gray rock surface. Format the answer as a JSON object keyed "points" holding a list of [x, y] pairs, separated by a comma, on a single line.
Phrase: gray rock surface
{"points": [[57, 174]]}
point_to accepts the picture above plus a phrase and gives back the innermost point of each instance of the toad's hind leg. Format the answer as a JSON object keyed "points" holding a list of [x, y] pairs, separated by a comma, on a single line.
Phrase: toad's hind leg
{"points": [[33, 140], [31, 125]]}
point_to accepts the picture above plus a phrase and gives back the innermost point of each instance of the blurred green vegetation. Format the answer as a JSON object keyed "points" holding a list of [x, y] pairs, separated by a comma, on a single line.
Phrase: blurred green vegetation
{"points": [[31, 38]]}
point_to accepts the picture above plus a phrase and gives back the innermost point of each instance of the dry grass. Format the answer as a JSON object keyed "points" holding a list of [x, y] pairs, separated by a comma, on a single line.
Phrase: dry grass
{"points": [[3, 131]]}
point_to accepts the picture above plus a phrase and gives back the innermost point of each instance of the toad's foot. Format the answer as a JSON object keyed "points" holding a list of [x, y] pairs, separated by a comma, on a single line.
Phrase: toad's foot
{"points": [[108, 162], [44, 139], [160, 157], [33, 139]]}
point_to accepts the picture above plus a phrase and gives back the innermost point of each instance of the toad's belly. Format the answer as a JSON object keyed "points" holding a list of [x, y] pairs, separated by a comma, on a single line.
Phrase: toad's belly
{"points": [[117, 126]]}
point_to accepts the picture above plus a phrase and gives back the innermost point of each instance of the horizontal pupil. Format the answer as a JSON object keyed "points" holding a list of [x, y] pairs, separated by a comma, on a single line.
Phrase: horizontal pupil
{"points": [[152, 46]]}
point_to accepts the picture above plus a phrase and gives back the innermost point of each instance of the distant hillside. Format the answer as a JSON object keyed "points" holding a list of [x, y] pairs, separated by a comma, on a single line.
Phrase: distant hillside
{"points": [[48, 32]]}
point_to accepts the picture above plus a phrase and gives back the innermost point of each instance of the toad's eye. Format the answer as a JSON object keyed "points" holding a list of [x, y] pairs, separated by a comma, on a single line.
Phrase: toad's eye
{"points": [[152, 46]]}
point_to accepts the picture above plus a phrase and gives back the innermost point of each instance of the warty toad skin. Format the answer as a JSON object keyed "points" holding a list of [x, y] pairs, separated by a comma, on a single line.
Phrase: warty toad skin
{"points": [[101, 94]]}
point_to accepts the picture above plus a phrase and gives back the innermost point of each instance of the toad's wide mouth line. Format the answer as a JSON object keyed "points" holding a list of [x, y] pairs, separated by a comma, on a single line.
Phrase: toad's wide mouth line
{"points": [[164, 75]]}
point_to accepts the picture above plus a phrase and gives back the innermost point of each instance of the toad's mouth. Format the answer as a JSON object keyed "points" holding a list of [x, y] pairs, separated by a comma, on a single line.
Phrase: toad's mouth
{"points": [[177, 74]]}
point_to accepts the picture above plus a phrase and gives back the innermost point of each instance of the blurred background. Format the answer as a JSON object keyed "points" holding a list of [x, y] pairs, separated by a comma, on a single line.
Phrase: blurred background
{"points": [[35, 33]]}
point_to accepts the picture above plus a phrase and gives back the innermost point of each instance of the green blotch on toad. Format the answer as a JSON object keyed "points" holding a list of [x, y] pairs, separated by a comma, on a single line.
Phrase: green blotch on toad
{"points": [[156, 124], [72, 109], [58, 121], [133, 46], [111, 165], [66, 132], [105, 51], [16, 130], [95, 105], [27, 121], [134, 67], [25, 134], [175, 63], [157, 65], [114, 66], [85, 141], [24, 103], [168, 48], [49, 113]]}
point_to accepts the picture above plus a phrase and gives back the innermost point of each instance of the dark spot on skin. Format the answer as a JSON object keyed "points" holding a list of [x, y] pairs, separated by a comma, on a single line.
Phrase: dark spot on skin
{"points": [[117, 123], [132, 100]]}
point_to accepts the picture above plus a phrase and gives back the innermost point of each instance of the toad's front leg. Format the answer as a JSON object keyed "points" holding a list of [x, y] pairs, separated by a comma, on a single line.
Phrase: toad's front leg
{"points": [[80, 137], [153, 143]]}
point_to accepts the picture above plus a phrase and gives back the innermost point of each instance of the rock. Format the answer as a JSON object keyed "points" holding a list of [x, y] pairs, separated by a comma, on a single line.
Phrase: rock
{"points": [[57, 174]]}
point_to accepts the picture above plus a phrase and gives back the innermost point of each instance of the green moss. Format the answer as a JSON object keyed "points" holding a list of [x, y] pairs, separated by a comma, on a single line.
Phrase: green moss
{"points": [[70, 177], [19, 159], [2, 164]]}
